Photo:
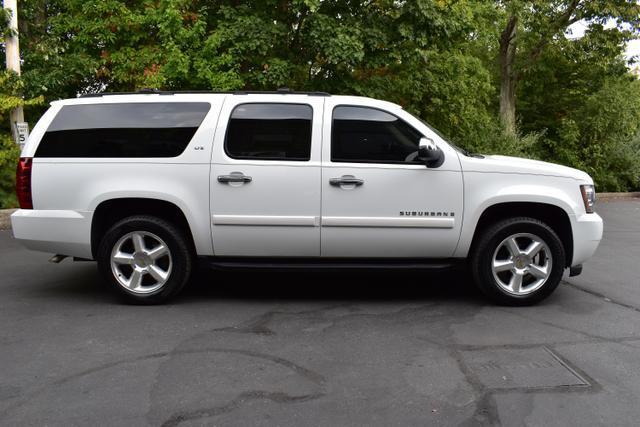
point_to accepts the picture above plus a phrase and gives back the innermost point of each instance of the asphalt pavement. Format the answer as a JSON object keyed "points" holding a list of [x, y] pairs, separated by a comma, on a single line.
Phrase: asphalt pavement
{"points": [[330, 349]]}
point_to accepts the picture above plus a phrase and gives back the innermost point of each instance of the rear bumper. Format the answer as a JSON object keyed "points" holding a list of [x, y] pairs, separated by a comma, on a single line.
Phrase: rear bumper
{"points": [[587, 233], [56, 231]]}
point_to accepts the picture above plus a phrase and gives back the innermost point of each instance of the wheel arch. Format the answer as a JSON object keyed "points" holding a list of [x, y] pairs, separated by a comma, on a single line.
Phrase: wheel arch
{"points": [[552, 215], [110, 211]]}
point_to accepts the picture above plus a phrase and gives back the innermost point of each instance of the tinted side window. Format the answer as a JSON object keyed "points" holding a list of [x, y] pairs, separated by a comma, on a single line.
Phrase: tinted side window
{"points": [[269, 132], [122, 130], [368, 135]]}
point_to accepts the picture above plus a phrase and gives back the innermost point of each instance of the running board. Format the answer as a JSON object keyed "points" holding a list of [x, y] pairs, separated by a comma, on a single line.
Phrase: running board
{"points": [[306, 264]]}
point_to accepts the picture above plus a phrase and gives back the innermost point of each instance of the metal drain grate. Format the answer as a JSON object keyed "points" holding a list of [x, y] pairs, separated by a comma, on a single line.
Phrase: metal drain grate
{"points": [[529, 368]]}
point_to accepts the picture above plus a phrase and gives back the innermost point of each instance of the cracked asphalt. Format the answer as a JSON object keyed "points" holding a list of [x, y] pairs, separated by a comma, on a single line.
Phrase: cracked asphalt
{"points": [[326, 349]]}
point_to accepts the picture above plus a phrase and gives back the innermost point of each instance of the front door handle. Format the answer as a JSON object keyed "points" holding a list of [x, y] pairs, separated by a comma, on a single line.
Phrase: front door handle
{"points": [[346, 180], [234, 177]]}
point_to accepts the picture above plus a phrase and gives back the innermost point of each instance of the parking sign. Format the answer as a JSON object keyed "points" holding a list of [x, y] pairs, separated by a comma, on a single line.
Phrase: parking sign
{"points": [[22, 132]]}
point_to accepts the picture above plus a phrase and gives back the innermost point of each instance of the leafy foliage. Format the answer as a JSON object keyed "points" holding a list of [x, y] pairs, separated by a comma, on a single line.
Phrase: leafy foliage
{"points": [[10, 89], [607, 149]]}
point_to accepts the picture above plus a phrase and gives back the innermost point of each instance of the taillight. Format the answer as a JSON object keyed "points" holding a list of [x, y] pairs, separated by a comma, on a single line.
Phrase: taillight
{"points": [[23, 183]]}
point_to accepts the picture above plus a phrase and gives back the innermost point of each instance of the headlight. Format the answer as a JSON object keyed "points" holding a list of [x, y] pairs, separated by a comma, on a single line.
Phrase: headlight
{"points": [[588, 197]]}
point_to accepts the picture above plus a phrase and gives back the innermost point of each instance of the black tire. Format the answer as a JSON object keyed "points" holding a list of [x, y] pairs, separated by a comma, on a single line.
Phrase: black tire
{"points": [[488, 242], [180, 258]]}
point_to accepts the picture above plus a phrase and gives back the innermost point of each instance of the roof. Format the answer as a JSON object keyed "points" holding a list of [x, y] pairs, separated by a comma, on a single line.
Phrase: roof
{"points": [[280, 91]]}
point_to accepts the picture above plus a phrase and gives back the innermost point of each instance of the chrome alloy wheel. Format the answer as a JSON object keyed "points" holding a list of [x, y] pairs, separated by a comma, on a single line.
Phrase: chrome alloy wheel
{"points": [[521, 264], [141, 262]]}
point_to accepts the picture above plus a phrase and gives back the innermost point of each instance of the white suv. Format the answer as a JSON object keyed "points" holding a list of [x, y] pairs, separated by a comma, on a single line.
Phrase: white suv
{"points": [[144, 183]]}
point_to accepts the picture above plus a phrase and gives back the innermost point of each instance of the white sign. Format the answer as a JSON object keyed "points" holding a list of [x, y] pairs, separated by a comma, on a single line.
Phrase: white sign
{"points": [[22, 132]]}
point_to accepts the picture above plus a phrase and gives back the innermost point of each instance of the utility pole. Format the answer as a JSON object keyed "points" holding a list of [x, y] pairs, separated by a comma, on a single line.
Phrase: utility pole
{"points": [[12, 49]]}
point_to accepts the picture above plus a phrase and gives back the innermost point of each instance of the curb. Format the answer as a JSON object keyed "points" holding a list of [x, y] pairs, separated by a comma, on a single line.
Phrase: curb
{"points": [[5, 222], [617, 196]]}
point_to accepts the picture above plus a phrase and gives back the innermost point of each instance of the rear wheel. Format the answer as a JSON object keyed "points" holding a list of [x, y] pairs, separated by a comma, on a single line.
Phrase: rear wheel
{"points": [[145, 259], [518, 261]]}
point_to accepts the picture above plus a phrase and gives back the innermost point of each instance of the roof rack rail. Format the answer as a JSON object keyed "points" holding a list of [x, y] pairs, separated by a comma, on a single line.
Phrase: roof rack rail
{"points": [[151, 91]]}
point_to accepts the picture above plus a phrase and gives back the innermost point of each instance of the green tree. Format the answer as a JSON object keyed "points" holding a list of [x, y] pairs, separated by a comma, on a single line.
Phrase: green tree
{"points": [[581, 93], [531, 26]]}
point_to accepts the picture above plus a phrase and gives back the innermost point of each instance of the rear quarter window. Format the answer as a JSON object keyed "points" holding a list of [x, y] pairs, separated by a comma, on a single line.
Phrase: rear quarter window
{"points": [[122, 130]]}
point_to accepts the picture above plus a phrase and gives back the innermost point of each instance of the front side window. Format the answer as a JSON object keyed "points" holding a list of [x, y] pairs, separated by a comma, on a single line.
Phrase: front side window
{"points": [[269, 131], [123, 130], [369, 135]]}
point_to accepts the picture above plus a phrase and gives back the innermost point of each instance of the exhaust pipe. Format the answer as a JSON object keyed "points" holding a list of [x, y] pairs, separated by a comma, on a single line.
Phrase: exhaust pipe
{"points": [[56, 259]]}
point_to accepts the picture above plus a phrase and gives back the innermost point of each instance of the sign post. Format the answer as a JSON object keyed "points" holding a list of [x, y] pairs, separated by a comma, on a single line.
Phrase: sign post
{"points": [[12, 50]]}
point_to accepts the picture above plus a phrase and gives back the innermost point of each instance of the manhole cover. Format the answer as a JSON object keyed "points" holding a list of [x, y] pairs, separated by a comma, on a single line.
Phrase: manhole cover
{"points": [[522, 368]]}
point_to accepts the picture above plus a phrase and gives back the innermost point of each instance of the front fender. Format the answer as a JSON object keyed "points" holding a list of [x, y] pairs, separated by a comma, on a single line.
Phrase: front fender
{"points": [[484, 190]]}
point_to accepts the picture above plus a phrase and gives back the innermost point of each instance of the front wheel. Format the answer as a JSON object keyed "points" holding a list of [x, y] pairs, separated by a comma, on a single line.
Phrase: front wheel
{"points": [[145, 259], [518, 261]]}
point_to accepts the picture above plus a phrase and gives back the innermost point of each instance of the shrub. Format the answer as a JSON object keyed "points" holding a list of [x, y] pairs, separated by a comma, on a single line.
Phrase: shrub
{"points": [[9, 153]]}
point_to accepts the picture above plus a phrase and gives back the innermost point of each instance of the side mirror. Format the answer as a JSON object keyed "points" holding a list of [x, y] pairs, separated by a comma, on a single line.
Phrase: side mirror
{"points": [[429, 153]]}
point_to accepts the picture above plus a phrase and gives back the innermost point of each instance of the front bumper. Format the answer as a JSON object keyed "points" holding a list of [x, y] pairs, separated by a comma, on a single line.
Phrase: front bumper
{"points": [[56, 231], [587, 233]]}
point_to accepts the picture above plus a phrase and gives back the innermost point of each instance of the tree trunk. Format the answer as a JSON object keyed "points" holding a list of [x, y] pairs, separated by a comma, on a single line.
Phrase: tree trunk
{"points": [[508, 77]]}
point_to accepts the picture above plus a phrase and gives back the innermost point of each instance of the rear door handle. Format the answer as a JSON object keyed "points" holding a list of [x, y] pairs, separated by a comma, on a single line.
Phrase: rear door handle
{"points": [[234, 177], [346, 180]]}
